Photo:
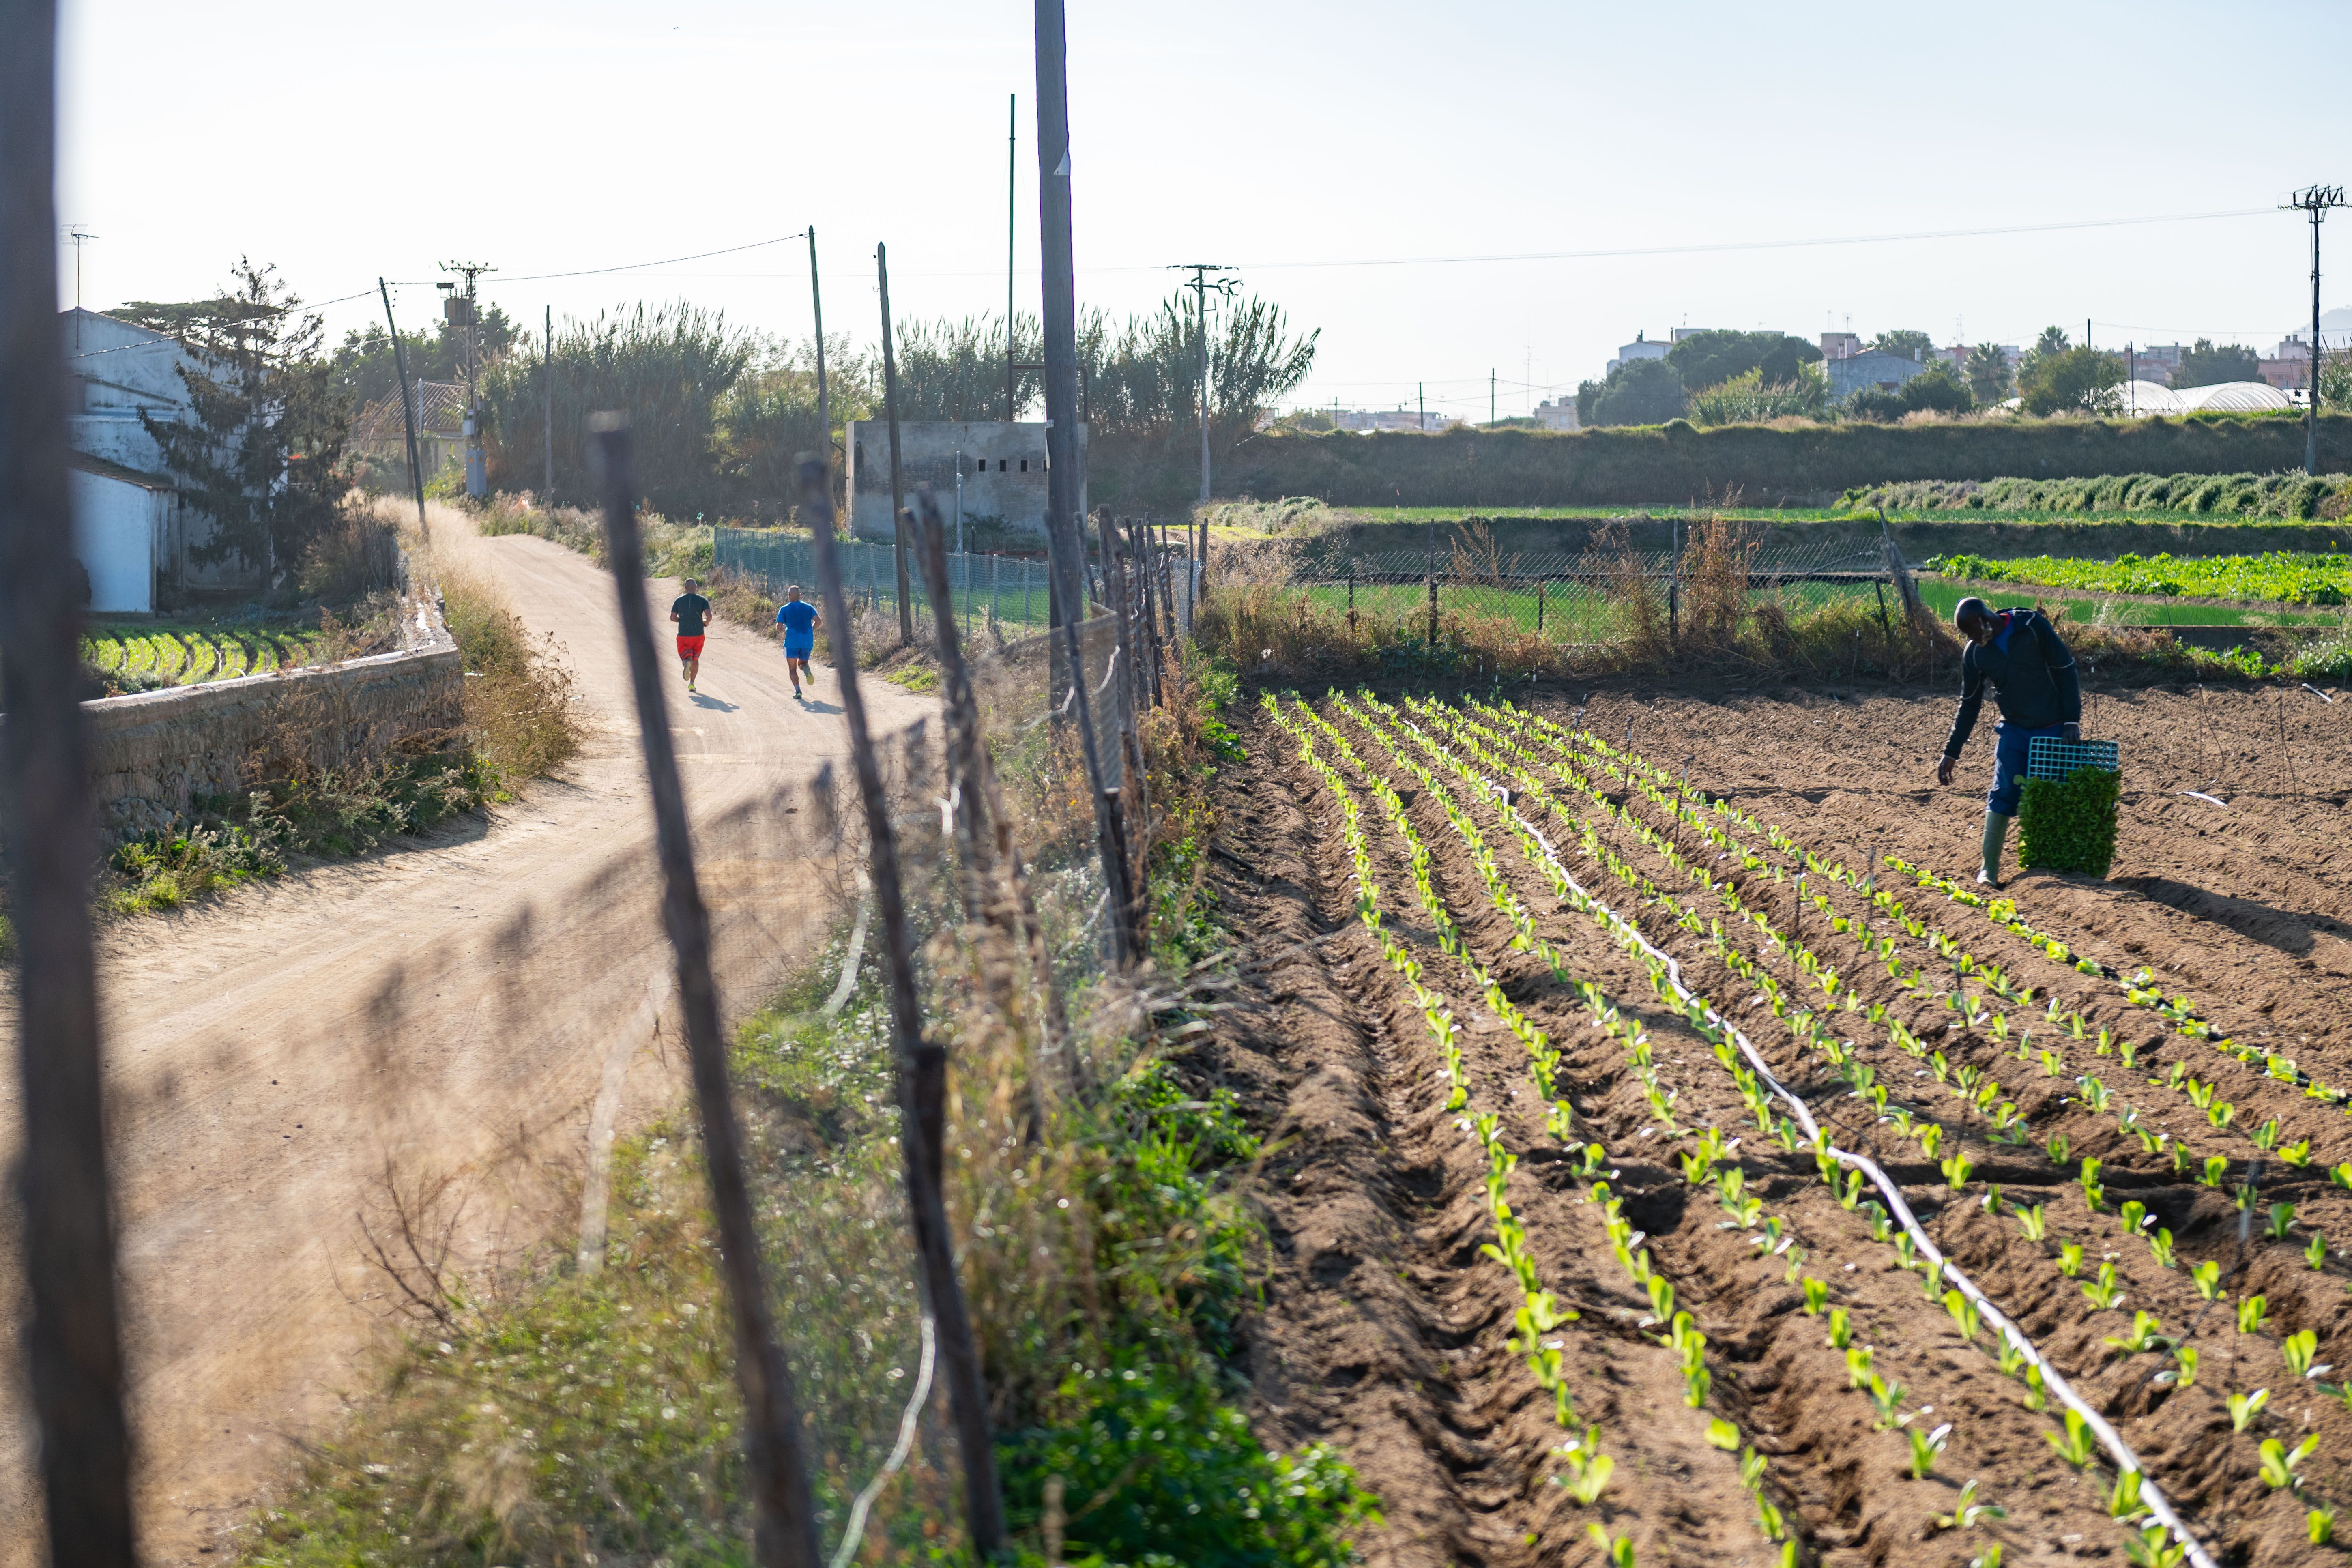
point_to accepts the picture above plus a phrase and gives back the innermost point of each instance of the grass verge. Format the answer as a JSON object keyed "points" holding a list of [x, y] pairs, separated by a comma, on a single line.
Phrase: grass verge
{"points": [[309, 804], [1106, 1247]]}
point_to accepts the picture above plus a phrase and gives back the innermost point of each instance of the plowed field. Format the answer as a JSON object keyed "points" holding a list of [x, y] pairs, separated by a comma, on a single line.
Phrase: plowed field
{"points": [[1683, 1161]]}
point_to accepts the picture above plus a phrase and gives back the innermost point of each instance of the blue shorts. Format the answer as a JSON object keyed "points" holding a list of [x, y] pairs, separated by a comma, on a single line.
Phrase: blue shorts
{"points": [[2010, 753], [794, 647]]}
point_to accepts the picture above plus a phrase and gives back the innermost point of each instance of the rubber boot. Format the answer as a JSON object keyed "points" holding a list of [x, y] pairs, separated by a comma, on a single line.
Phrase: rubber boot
{"points": [[1996, 834]]}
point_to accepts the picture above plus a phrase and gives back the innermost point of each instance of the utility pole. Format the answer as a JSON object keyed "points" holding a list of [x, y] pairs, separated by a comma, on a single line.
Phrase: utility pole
{"points": [[1012, 176], [823, 413], [890, 408], [2314, 201], [466, 312], [1201, 285], [1490, 395], [407, 407], [1066, 485], [1420, 401], [79, 237], [547, 359]]}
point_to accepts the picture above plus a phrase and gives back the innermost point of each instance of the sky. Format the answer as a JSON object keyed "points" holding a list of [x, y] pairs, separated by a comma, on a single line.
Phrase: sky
{"points": [[1434, 188]]}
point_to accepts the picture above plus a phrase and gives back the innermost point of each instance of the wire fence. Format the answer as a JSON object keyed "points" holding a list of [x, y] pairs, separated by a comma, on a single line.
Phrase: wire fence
{"points": [[1568, 597], [1008, 592]]}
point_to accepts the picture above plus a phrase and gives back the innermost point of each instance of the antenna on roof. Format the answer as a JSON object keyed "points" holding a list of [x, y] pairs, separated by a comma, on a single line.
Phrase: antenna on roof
{"points": [[79, 237]]}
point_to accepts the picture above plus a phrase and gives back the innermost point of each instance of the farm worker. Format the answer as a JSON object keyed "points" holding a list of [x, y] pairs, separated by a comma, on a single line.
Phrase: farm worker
{"points": [[800, 621], [2033, 679], [690, 611]]}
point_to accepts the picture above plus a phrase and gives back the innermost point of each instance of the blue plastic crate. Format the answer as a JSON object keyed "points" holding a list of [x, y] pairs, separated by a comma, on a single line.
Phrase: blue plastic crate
{"points": [[2055, 758]]}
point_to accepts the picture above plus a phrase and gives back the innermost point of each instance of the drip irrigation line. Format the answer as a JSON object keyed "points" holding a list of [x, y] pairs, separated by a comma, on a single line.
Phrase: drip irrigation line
{"points": [[856, 953], [851, 1537], [2109, 1438]]}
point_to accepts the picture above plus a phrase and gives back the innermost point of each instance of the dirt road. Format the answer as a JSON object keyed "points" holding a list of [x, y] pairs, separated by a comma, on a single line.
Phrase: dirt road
{"points": [[282, 1058]]}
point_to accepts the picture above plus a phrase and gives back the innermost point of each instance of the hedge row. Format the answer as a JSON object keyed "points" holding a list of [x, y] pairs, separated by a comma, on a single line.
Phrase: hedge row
{"points": [[2296, 496], [1679, 464]]}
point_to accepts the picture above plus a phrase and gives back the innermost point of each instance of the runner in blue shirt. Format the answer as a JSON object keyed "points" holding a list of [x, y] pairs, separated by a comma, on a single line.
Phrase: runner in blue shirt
{"points": [[800, 621]]}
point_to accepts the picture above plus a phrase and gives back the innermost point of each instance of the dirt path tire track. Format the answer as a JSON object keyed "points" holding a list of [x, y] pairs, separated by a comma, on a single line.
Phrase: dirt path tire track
{"points": [[444, 1008]]}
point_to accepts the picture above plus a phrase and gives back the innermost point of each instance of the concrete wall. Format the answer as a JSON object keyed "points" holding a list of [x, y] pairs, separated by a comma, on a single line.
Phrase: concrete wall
{"points": [[1004, 469], [153, 751], [121, 532]]}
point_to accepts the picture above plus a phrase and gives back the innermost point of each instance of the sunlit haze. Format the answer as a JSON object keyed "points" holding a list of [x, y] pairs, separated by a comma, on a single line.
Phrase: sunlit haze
{"points": [[1297, 143]]}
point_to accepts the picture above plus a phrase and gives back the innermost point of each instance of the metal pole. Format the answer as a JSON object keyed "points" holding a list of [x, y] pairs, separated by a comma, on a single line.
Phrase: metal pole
{"points": [[1012, 178], [2311, 414], [407, 413], [1064, 484], [890, 405], [823, 411], [547, 378], [1201, 295], [72, 1334], [786, 1528], [922, 1067]]}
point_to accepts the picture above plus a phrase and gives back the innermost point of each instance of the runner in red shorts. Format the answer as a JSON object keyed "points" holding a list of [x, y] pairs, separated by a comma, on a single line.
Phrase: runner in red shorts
{"points": [[690, 612]]}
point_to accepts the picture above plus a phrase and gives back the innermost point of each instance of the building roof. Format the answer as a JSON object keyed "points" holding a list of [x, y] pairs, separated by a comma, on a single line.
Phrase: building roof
{"points": [[119, 472]]}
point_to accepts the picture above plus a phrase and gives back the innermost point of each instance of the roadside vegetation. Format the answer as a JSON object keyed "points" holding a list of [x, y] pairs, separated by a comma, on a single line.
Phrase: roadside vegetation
{"points": [[1107, 1248], [313, 801]]}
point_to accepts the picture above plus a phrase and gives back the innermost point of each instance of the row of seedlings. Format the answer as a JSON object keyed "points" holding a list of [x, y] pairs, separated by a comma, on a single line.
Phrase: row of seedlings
{"points": [[2013, 1357], [2215, 1171], [2278, 1466], [1588, 1467], [1776, 1238]]}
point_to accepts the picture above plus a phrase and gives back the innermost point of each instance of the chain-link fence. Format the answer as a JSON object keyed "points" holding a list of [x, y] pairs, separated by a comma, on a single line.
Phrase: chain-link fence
{"points": [[1007, 592]]}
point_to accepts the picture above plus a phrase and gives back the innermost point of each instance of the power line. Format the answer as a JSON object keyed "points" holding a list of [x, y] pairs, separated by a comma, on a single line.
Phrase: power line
{"points": [[639, 265], [1700, 247]]}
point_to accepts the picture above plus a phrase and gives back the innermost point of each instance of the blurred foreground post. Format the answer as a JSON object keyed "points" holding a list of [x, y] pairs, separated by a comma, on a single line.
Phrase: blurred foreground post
{"points": [[73, 1336], [785, 1510], [922, 1072], [999, 885]]}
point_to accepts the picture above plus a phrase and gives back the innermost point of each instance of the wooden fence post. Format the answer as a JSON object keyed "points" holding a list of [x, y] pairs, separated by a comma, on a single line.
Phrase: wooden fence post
{"points": [[921, 1079], [784, 1507], [72, 1330]]}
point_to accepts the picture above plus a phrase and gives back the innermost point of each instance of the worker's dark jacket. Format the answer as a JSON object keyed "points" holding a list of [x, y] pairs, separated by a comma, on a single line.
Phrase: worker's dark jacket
{"points": [[2032, 676]]}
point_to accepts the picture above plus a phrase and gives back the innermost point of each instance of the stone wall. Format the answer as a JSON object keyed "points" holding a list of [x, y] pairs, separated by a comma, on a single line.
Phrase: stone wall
{"points": [[152, 753]]}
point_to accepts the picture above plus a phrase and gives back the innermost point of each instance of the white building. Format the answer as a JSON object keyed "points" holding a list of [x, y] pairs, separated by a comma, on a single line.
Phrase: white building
{"points": [[1644, 346], [1559, 415], [132, 531]]}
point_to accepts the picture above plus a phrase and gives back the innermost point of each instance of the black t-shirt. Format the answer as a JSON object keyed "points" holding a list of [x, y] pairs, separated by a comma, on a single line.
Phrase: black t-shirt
{"points": [[690, 610]]}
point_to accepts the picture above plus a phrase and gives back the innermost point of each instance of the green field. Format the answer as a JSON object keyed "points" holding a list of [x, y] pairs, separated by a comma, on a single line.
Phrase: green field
{"points": [[1562, 612], [140, 655], [2280, 577]]}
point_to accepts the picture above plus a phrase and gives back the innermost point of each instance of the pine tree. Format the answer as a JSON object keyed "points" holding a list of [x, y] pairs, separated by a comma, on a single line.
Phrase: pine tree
{"points": [[261, 456]]}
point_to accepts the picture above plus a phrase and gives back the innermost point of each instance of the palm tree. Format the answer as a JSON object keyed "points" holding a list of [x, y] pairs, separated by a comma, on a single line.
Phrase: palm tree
{"points": [[1988, 373]]}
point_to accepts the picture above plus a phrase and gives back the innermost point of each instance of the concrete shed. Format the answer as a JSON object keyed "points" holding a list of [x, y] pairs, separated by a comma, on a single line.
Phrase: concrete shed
{"points": [[127, 532], [1002, 465], [1874, 369]]}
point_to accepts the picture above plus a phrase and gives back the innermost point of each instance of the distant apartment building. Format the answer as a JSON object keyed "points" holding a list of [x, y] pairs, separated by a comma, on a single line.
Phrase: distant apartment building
{"points": [[1840, 345], [1644, 346], [2289, 365], [1557, 415], [1399, 419], [2152, 361], [1851, 373]]}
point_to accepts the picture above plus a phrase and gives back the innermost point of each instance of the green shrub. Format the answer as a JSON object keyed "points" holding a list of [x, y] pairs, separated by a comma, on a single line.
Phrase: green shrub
{"points": [[2289, 495], [1162, 1471], [2070, 825]]}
